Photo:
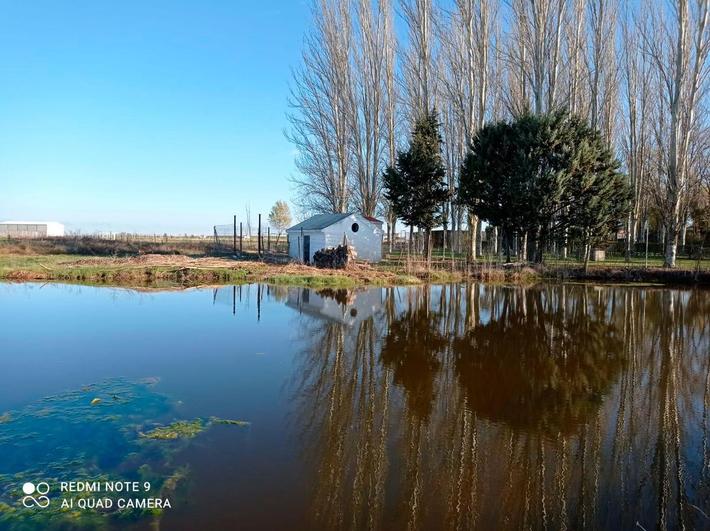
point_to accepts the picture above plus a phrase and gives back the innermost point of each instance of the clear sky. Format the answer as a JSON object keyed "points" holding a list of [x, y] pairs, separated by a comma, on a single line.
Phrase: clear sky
{"points": [[149, 116]]}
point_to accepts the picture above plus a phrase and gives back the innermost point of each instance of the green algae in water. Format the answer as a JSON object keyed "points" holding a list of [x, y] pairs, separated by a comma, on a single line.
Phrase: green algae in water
{"points": [[217, 420], [187, 429], [67, 437], [182, 429]]}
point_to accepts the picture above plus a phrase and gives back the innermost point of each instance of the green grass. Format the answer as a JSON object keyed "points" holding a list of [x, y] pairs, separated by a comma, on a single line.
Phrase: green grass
{"points": [[62, 268], [65, 268], [393, 260], [656, 261]]}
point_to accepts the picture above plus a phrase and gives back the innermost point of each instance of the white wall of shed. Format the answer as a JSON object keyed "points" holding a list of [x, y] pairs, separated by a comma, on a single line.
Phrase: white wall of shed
{"points": [[367, 240], [295, 243]]}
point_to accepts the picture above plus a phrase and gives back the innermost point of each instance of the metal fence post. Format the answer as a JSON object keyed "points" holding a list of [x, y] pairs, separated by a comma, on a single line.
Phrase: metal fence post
{"points": [[258, 238]]}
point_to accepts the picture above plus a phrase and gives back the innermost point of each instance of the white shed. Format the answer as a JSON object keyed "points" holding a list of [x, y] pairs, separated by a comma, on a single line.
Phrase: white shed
{"points": [[328, 230], [30, 229]]}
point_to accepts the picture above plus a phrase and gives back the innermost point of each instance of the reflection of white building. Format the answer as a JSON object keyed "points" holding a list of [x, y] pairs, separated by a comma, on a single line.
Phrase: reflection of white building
{"points": [[348, 307]]}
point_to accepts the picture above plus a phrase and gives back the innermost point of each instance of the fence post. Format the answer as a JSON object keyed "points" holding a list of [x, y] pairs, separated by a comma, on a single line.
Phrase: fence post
{"points": [[240, 237], [234, 240], [258, 237]]}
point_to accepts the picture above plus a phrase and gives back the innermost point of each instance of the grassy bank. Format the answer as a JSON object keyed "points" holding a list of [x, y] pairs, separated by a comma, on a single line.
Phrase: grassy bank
{"points": [[178, 270], [147, 264]]}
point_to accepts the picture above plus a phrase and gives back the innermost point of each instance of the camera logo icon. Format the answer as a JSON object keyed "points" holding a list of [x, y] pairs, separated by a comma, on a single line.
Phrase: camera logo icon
{"points": [[41, 489]]}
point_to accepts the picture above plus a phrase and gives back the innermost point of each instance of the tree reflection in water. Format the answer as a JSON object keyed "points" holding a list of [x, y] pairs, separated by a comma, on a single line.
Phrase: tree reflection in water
{"points": [[488, 407], [534, 366]]}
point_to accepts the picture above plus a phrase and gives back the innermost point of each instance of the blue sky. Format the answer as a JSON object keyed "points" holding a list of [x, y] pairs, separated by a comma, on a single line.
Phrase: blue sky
{"points": [[149, 116]]}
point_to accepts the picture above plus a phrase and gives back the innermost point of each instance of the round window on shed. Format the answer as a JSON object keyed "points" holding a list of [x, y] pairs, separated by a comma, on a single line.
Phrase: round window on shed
{"points": [[355, 227]]}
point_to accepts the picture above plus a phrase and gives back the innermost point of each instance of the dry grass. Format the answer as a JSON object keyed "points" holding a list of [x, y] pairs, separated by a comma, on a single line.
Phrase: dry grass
{"points": [[190, 263], [186, 271], [89, 246]]}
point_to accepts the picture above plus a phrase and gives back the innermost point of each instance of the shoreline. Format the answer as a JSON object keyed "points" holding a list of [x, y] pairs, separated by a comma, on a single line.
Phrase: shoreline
{"points": [[156, 270]]}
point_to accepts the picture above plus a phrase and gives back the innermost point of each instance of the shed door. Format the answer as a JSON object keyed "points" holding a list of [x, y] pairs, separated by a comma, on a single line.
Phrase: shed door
{"points": [[306, 249]]}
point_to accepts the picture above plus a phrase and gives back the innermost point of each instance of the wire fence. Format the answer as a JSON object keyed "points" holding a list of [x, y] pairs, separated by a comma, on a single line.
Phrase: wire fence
{"points": [[234, 238], [403, 254]]}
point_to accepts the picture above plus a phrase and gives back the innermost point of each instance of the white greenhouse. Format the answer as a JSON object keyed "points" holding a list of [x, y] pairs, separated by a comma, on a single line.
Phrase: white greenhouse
{"points": [[329, 230], [30, 229]]}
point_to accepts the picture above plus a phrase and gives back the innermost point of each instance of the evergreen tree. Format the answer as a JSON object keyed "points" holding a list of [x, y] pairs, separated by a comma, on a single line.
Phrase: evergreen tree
{"points": [[598, 194], [416, 187], [540, 175]]}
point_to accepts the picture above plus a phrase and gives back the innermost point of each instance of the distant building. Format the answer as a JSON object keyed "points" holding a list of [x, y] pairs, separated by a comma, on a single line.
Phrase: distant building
{"points": [[364, 233], [30, 229]]}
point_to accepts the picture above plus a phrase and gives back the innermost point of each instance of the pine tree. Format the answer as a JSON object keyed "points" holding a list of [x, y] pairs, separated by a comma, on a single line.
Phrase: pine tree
{"points": [[416, 187]]}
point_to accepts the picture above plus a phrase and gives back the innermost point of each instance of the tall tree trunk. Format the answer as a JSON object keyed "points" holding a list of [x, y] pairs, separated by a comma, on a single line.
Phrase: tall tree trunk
{"points": [[472, 224], [671, 238], [479, 239], [427, 247], [508, 238], [629, 238]]}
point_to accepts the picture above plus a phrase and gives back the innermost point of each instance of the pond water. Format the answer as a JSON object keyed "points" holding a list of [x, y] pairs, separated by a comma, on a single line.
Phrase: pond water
{"points": [[442, 407]]}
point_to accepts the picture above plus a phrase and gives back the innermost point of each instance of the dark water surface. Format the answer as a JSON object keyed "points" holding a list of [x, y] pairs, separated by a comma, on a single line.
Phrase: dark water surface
{"points": [[445, 407]]}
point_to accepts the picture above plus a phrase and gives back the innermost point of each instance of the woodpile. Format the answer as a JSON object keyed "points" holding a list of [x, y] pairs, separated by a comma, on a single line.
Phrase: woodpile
{"points": [[335, 258]]}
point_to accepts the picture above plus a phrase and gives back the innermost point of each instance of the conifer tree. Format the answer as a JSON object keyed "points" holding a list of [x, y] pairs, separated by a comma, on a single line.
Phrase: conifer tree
{"points": [[540, 175], [598, 195], [416, 186]]}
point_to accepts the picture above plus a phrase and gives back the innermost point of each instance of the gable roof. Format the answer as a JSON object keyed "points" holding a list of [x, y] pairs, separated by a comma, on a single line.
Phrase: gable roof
{"points": [[373, 220], [319, 221]]}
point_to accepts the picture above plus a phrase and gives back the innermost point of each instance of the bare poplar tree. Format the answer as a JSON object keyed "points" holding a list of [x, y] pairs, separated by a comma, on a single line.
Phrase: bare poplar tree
{"points": [[676, 39], [391, 100], [320, 115], [602, 66], [418, 70], [576, 98], [534, 51], [467, 49], [458, 100], [368, 104], [637, 136]]}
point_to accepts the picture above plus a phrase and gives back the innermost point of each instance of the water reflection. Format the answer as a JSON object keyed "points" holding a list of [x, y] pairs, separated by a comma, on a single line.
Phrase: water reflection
{"points": [[347, 307], [468, 406], [542, 362]]}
